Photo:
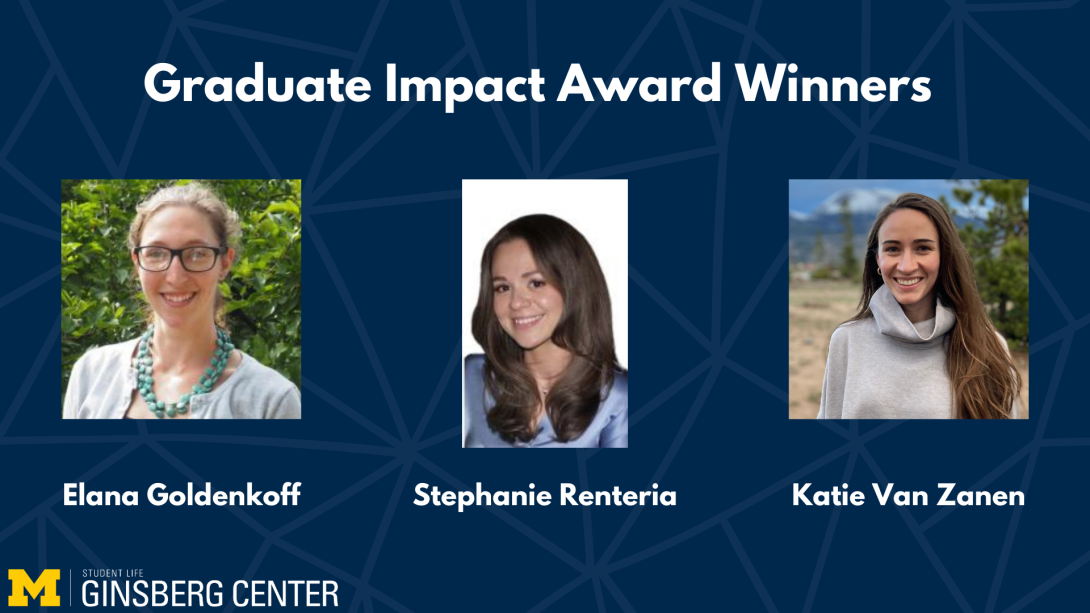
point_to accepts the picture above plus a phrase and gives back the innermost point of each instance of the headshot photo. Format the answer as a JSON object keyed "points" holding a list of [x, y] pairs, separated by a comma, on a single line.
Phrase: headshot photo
{"points": [[181, 299], [545, 312], [930, 320]]}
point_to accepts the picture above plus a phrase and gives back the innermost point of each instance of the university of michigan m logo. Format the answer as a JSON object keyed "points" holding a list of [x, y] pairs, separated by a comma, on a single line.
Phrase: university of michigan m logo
{"points": [[21, 585]]}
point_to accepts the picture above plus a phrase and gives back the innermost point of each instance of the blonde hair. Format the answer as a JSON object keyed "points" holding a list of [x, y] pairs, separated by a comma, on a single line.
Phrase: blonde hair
{"points": [[199, 198]]}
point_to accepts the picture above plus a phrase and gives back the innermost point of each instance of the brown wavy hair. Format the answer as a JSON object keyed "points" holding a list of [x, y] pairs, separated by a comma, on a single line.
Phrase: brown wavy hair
{"points": [[983, 379], [585, 330]]}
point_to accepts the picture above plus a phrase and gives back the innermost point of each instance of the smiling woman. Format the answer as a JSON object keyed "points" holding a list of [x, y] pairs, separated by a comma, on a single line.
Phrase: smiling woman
{"points": [[921, 345], [183, 243], [549, 376]]}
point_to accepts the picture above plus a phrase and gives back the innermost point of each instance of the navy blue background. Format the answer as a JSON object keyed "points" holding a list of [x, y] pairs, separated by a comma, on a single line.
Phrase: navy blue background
{"points": [[707, 186]]}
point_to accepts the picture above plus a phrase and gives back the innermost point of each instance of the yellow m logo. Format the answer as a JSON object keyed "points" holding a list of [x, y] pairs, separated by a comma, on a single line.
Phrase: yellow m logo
{"points": [[20, 583]]}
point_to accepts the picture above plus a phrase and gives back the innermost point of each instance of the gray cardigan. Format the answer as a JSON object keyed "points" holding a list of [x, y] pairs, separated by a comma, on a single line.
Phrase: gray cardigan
{"points": [[103, 381]]}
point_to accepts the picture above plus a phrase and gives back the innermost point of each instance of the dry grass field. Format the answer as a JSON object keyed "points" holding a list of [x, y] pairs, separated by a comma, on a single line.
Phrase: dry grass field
{"points": [[815, 309]]}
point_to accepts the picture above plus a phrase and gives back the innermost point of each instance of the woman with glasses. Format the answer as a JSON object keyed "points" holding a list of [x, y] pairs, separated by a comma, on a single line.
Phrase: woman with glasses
{"points": [[183, 242]]}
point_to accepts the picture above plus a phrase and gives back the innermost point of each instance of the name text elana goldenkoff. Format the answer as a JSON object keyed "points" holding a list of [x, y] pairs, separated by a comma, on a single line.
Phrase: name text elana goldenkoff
{"points": [[452, 90], [75, 494]]}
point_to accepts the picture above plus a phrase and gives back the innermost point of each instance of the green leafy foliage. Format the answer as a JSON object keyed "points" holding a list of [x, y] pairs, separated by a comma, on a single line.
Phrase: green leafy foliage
{"points": [[101, 302], [999, 246]]}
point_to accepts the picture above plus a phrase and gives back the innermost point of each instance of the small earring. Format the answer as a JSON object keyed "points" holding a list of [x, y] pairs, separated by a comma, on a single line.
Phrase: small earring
{"points": [[879, 271]]}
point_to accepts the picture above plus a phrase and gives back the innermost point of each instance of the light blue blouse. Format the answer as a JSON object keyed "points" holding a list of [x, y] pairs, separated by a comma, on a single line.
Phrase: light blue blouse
{"points": [[608, 429]]}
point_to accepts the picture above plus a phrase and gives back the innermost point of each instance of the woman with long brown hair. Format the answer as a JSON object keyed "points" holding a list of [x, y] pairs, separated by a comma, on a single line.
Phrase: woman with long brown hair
{"points": [[549, 376], [921, 345]]}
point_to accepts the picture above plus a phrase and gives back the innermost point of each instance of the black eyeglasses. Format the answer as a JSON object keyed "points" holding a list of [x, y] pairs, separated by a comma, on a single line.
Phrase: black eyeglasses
{"points": [[194, 259]]}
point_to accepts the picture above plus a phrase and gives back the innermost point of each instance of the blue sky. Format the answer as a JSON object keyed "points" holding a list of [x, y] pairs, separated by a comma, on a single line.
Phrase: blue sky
{"points": [[805, 194]]}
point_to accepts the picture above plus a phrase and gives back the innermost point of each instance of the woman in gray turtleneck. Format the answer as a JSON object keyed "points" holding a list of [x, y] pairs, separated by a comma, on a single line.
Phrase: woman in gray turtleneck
{"points": [[921, 346]]}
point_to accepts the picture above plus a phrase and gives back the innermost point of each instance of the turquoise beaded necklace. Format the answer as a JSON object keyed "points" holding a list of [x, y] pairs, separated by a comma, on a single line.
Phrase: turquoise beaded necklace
{"points": [[145, 383]]}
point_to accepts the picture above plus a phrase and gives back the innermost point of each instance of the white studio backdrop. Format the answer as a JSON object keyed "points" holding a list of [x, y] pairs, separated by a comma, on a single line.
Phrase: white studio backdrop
{"points": [[597, 208]]}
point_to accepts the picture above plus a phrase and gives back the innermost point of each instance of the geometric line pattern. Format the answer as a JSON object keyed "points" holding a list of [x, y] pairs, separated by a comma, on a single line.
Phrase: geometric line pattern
{"points": [[409, 450]]}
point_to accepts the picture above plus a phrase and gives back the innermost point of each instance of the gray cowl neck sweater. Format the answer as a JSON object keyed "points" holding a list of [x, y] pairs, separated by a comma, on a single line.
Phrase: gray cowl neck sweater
{"points": [[886, 367]]}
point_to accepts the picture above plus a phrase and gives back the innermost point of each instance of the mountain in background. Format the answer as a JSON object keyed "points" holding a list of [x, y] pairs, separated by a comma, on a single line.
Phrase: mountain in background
{"points": [[864, 204], [861, 201]]}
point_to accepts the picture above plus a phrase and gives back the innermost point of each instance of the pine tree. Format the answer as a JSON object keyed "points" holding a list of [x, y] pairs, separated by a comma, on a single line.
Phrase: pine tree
{"points": [[849, 268], [819, 250], [999, 246]]}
